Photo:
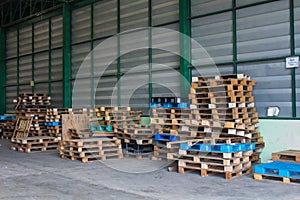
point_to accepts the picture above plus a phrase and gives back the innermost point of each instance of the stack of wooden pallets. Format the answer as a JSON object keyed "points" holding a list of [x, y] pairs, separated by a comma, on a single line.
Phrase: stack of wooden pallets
{"points": [[78, 142], [224, 107], [34, 106], [33, 144], [91, 149], [169, 117], [223, 124], [53, 119], [7, 126], [137, 140], [285, 168]]}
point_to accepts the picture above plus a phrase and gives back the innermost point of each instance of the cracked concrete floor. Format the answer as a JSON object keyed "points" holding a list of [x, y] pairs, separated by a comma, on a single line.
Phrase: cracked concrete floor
{"points": [[46, 176]]}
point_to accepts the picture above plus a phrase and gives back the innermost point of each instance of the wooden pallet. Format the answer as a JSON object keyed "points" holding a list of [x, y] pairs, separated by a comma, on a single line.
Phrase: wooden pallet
{"points": [[276, 179], [287, 156]]}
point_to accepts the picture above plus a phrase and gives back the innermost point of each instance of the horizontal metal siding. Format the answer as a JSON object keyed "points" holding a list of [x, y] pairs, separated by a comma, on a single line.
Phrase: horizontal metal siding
{"points": [[11, 72], [11, 44], [11, 94], [25, 69], [56, 64], [214, 35], [105, 18], [57, 94], [208, 6], [164, 11], [263, 31], [273, 87], [79, 53], [133, 14], [81, 24], [25, 40], [41, 36], [56, 32], [41, 67], [105, 95], [246, 2]]}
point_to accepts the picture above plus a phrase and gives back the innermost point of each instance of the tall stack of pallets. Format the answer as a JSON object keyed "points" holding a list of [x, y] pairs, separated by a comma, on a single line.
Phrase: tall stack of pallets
{"points": [[32, 109], [34, 106], [169, 117], [224, 124]]}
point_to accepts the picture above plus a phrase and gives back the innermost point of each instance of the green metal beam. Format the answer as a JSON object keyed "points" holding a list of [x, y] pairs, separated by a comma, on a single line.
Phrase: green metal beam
{"points": [[119, 52], [92, 57], [293, 71], [67, 93], [50, 57], [18, 61], [185, 48], [150, 49], [2, 71], [32, 57], [234, 37]]}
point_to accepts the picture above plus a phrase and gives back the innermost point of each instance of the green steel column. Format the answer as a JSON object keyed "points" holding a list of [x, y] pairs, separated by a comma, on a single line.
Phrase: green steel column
{"points": [[32, 57], [150, 48], [292, 44], [185, 48], [18, 62], [234, 37], [50, 58], [92, 57], [2, 71], [119, 52], [67, 93]]}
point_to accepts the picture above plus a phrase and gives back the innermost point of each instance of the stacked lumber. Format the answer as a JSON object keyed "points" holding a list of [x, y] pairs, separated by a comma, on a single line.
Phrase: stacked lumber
{"points": [[54, 120], [91, 149], [285, 168]]}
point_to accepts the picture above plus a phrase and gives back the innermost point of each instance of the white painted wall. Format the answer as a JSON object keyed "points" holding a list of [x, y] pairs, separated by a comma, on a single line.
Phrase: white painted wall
{"points": [[279, 135]]}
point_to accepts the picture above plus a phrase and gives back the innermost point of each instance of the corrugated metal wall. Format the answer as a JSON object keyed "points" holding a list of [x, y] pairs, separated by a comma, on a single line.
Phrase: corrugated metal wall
{"points": [[253, 38], [262, 33]]}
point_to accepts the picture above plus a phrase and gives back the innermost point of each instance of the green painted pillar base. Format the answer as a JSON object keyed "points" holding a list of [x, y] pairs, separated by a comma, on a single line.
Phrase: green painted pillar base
{"points": [[185, 49]]}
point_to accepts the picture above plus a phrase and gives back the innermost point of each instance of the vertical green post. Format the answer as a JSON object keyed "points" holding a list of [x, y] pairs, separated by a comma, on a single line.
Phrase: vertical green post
{"points": [[234, 37], [50, 58], [2, 71], [150, 48], [92, 57], [292, 45], [32, 57], [18, 62], [67, 93], [185, 48], [119, 52]]}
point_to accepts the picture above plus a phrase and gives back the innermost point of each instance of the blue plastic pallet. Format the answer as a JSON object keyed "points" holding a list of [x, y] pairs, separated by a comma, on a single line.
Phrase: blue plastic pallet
{"points": [[102, 128], [225, 148], [281, 169], [52, 123], [169, 105], [165, 137], [7, 118]]}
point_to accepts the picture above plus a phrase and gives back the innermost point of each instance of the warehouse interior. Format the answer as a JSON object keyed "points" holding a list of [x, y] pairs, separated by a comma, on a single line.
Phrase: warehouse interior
{"points": [[149, 58]]}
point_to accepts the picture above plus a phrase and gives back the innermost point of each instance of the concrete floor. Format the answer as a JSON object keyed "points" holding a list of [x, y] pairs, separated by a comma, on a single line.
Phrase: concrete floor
{"points": [[46, 176]]}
